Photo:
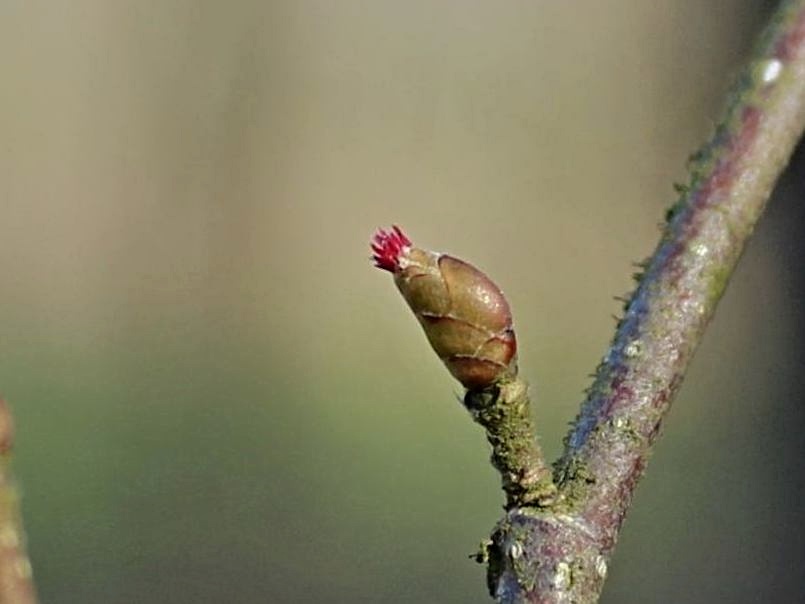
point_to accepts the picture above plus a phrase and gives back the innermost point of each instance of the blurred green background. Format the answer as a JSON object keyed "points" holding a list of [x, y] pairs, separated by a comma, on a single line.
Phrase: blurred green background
{"points": [[219, 400]]}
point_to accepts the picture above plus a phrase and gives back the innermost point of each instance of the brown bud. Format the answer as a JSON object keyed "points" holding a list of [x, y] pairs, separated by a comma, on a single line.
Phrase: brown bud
{"points": [[465, 316]]}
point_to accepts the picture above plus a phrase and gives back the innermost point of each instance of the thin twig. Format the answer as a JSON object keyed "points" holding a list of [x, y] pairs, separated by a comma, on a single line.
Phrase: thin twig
{"points": [[16, 584], [560, 554], [504, 410]]}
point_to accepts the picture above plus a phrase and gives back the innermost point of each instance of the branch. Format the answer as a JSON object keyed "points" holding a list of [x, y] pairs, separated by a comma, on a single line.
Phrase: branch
{"points": [[504, 410], [16, 585], [560, 553]]}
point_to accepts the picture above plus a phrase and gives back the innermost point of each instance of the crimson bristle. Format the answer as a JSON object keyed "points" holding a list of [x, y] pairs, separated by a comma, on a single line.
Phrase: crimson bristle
{"points": [[388, 246]]}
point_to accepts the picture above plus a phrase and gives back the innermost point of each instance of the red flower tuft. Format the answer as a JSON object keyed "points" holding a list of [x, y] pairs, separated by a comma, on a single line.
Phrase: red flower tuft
{"points": [[388, 246]]}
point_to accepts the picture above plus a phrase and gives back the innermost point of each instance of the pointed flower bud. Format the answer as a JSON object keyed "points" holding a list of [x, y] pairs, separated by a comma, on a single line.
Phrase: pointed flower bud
{"points": [[465, 316]]}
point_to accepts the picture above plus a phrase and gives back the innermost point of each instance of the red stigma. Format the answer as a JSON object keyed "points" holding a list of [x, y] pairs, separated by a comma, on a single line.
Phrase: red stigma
{"points": [[387, 247]]}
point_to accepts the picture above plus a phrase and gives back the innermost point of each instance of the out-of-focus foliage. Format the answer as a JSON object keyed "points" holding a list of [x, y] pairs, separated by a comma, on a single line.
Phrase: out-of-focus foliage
{"points": [[218, 399]]}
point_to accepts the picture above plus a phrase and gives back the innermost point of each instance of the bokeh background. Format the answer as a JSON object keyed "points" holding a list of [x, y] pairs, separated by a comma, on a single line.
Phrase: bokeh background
{"points": [[219, 400]]}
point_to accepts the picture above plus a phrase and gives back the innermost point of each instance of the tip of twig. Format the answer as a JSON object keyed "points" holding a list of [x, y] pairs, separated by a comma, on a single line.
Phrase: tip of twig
{"points": [[6, 428]]}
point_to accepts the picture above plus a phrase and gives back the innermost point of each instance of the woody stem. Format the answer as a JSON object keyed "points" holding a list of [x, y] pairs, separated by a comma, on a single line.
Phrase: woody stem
{"points": [[503, 409], [561, 554]]}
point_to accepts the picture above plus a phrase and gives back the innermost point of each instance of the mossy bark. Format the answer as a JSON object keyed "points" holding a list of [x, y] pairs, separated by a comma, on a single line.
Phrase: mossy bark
{"points": [[504, 411]]}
